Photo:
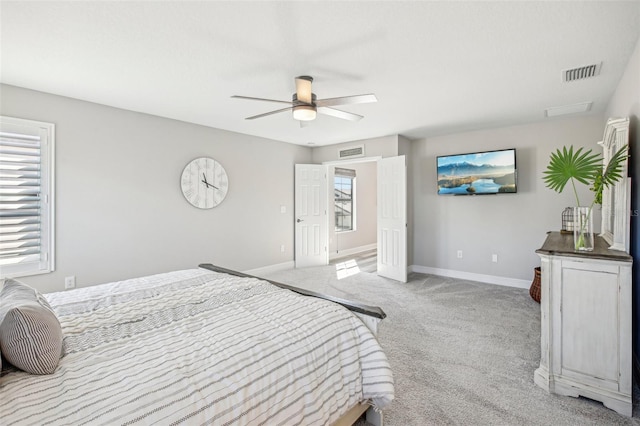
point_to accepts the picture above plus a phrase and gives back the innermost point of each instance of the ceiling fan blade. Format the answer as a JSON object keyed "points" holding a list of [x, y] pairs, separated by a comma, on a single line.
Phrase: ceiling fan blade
{"points": [[261, 99], [339, 113], [347, 100], [303, 89], [268, 113]]}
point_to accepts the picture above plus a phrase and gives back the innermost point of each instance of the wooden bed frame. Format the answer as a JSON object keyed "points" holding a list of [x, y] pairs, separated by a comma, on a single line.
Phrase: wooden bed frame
{"points": [[370, 315]]}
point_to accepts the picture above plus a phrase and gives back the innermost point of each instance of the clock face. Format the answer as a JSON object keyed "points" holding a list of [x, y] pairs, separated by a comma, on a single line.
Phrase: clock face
{"points": [[204, 183]]}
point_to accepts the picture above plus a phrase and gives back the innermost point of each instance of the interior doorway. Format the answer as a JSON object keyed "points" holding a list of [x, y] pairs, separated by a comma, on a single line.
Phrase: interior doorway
{"points": [[352, 215], [315, 216]]}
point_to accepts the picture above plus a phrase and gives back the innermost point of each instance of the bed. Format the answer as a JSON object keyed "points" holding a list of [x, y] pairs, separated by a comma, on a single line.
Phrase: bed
{"points": [[204, 346]]}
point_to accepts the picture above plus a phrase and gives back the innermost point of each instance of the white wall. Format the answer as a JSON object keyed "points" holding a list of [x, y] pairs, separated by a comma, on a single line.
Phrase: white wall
{"points": [[512, 226], [625, 101], [120, 212]]}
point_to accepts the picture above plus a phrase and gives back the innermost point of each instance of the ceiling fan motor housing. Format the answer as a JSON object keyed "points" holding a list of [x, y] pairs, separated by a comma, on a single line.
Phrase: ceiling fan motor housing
{"points": [[296, 101]]}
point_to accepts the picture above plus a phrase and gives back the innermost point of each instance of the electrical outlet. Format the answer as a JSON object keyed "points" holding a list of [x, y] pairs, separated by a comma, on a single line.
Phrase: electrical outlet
{"points": [[459, 254], [494, 258], [282, 248], [70, 282]]}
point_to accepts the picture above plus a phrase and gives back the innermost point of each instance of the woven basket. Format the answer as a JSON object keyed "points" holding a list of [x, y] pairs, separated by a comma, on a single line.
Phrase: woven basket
{"points": [[534, 291]]}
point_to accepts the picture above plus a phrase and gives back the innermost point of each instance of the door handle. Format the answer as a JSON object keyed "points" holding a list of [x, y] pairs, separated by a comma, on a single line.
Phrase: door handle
{"points": [[300, 220]]}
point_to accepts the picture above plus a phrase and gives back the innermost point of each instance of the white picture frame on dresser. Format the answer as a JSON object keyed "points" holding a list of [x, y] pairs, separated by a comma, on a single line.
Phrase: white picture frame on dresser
{"points": [[616, 199]]}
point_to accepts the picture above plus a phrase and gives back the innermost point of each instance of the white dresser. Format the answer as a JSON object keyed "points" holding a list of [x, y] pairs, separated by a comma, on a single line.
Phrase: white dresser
{"points": [[585, 337]]}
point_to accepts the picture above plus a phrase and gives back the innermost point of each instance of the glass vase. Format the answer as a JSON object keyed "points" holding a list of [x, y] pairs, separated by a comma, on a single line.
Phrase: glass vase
{"points": [[583, 228]]}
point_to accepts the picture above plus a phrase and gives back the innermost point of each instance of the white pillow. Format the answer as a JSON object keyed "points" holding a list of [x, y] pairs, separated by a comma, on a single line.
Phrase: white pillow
{"points": [[30, 333]]}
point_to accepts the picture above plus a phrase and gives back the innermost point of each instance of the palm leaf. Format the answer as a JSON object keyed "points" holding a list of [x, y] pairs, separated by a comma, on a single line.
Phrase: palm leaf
{"points": [[565, 165], [613, 171], [609, 175]]}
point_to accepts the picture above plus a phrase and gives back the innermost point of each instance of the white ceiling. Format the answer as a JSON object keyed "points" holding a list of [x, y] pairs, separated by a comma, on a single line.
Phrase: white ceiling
{"points": [[436, 67]]}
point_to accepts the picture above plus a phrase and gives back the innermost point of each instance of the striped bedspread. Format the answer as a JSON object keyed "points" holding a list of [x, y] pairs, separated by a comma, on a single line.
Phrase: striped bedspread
{"points": [[199, 347]]}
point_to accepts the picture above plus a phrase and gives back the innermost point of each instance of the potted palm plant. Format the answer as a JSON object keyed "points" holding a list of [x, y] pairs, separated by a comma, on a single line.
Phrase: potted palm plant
{"points": [[567, 165]]}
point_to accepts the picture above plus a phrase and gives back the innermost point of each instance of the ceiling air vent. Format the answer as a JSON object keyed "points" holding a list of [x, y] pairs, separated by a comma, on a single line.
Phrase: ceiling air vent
{"points": [[581, 73], [355, 151]]}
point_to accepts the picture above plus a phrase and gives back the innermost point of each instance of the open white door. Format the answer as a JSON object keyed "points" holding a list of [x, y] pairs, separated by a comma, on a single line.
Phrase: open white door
{"points": [[392, 218], [311, 215]]}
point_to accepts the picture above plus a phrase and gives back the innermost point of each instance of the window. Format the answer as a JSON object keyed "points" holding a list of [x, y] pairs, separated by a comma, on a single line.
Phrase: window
{"points": [[344, 194], [26, 197]]}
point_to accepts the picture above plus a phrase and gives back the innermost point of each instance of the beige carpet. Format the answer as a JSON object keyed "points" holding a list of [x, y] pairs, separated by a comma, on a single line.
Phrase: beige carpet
{"points": [[463, 353]]}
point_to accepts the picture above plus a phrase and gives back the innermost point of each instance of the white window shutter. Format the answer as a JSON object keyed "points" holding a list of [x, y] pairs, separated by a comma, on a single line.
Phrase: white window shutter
{"points": [[26, 197]]}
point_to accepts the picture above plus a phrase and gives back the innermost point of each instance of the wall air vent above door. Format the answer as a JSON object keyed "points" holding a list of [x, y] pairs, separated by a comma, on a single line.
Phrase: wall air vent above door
{"points": [[581, 73], [351, 152]]}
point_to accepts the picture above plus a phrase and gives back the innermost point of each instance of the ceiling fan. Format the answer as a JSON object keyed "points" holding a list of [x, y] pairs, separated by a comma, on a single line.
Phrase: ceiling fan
{"points": [[305, 105]]}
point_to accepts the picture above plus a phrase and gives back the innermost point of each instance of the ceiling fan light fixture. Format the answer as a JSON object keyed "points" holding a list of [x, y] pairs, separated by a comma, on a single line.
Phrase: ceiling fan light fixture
{"points": [[304, 112]]}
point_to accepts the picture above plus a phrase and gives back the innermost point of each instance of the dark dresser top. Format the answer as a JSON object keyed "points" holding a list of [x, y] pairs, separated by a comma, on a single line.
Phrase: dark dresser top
{"points": [[562, 244]]}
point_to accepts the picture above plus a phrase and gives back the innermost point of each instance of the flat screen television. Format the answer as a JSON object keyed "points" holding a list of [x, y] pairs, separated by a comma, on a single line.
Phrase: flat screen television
{"points": [[478, 173]]}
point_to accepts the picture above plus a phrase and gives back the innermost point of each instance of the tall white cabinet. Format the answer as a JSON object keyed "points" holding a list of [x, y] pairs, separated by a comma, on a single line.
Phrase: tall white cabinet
{"points": [[586, 322]]}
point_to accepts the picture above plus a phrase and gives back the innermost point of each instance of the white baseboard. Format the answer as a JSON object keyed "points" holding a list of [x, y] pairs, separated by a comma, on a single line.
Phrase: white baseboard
{"points": [[271, 268], [351, 251], [490, 279]]}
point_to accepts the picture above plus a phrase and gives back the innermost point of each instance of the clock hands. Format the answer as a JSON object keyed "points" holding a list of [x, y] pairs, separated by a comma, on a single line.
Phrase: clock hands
{"points": [[204, 180]]}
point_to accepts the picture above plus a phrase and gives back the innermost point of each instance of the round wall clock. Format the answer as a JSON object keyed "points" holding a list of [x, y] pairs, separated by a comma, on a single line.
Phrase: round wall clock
{"points": [[204, 183]]}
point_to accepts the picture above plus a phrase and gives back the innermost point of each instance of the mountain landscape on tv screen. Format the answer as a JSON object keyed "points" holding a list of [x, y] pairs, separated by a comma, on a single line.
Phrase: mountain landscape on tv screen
{"points": [[469, 178]]}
